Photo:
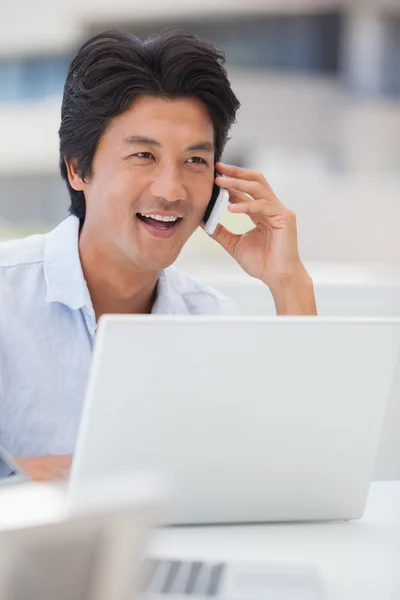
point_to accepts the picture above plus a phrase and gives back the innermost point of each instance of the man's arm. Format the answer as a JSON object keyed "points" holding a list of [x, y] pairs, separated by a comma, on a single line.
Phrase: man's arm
{"points": [[295, 296], [46, 468]]}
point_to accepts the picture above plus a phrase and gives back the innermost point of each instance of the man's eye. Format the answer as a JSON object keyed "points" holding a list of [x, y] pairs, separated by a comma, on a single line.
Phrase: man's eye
{"points": [[197, 160], [144, 155]]}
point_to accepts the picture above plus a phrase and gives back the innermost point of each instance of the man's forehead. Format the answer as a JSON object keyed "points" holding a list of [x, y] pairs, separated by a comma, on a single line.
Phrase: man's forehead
{"points": [[152, 120]]}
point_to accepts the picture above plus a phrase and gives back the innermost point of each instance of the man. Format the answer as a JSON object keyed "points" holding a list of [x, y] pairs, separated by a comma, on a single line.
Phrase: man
{"points": [[143, 127]]}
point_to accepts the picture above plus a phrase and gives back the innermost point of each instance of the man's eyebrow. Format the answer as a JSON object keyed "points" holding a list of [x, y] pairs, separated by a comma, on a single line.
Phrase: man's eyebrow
{"points": [[140, 139], [207, 146]]}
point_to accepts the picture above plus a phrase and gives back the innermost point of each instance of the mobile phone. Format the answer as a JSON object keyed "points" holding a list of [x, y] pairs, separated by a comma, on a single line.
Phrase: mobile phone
{"points": [[218, 203], [10, 471]]}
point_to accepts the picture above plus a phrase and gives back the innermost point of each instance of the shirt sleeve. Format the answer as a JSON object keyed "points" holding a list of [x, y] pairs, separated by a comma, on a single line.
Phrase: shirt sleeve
{"points": [[228, 307]]}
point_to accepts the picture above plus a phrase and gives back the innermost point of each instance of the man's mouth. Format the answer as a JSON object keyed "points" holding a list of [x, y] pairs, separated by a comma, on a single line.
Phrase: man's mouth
{"points": [[160, 223]]}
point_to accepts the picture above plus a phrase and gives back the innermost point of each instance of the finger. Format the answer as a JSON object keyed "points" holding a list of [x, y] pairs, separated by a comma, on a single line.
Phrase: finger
{"points": [[226, 238], [252, 188], [259, 210], [235, 197], [256, 207], [256, 190], [240, 173]]}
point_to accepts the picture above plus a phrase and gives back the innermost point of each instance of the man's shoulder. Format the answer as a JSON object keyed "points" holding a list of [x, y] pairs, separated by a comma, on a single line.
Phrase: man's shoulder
{"points": [[21, 276], [22, 252], [198, 297]]}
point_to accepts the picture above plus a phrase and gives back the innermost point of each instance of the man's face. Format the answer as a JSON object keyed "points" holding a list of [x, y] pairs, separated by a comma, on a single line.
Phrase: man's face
{"points": [[155, 159]]}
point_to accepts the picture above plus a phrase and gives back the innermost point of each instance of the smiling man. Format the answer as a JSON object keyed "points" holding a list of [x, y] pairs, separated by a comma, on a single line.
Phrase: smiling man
{"points": [[143, 128]]}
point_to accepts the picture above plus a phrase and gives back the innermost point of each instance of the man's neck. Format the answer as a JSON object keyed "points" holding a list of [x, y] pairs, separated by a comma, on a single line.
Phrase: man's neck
{"points": [[115, 287]]}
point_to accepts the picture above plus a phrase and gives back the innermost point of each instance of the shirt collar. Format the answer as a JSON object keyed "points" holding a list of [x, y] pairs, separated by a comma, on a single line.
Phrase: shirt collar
{"points": [[64, 276], [62, 266], [162, 304]]}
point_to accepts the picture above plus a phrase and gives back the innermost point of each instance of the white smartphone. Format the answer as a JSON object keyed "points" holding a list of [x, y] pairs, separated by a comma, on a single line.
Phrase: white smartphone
{"points": [[215, 209]]}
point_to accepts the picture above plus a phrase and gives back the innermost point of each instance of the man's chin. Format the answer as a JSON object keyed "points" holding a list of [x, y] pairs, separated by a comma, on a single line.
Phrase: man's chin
{"points": [[157, 263]]}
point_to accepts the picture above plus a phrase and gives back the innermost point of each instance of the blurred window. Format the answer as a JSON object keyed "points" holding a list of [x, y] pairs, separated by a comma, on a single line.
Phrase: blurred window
{"points": [[23, 79], [302, 43], [305, 43], [391, 63], [29, 202]]}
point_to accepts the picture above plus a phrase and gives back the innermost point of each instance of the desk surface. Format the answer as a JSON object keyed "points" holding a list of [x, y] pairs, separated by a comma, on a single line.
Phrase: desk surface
{"points": [[356, 559]]}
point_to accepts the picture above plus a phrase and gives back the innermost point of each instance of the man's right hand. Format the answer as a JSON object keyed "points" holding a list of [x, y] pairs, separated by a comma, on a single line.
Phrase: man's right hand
{"points": [[46, 468]]}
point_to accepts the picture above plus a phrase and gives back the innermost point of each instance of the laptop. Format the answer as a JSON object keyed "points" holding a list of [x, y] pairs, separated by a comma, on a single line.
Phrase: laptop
{"points": [[252, 419]]}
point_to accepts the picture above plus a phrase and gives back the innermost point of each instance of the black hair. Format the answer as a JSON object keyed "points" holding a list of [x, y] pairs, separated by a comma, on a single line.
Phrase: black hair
{"points": [[112, 69]]}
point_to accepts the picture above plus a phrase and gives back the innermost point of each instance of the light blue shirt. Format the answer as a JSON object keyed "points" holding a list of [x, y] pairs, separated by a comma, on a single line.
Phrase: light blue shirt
{"points": [[47, 328]]}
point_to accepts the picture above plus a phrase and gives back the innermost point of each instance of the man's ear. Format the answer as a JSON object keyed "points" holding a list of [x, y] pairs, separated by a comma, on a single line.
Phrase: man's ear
{"points": [[74, 177]]}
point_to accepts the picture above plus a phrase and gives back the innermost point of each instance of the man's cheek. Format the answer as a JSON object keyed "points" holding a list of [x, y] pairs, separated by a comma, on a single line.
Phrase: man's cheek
{"points": [[202, 211]]}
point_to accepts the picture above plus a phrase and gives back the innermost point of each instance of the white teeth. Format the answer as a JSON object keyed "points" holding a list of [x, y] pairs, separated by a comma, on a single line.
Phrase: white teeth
{"points": [[167, 218]]}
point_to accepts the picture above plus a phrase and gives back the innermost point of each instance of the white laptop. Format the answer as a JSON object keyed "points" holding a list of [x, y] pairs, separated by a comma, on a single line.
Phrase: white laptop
{"points": [[253, 419]]}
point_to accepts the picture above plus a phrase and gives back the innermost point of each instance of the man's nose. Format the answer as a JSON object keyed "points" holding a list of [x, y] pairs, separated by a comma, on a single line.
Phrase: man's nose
{"points": [[168, 184]]}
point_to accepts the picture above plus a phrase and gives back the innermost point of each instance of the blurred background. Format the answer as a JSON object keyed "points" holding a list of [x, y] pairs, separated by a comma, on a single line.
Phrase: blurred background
{"points": [[319, 82]]}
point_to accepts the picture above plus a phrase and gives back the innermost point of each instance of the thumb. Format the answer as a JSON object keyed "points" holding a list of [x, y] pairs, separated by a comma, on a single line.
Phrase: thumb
{"points": [[225, 238]]}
